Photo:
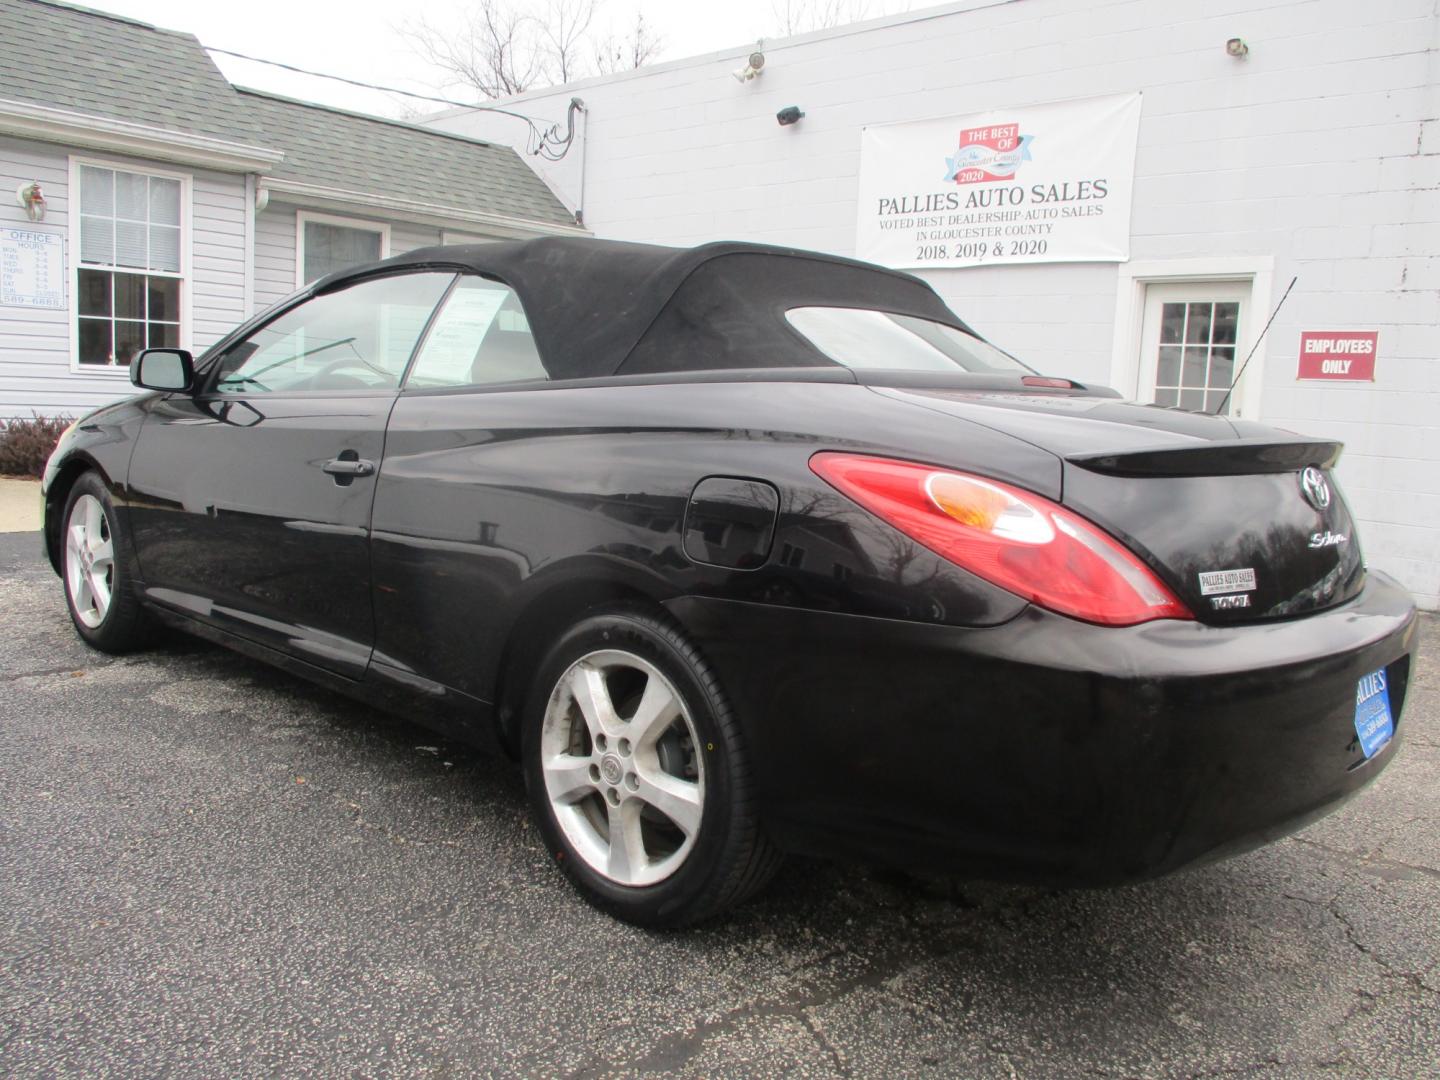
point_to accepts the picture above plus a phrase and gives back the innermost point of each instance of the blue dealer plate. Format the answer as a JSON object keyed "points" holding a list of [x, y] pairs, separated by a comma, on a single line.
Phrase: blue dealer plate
{"points": [[1373, 722]]}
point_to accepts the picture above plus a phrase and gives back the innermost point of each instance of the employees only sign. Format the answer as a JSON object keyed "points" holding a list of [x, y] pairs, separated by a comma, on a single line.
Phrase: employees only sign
{"points": [[1345, 355], [1045, 183]]}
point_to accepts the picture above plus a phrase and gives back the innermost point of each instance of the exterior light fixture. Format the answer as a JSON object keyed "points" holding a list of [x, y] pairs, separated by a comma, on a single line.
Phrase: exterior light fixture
{"points": [[754, 66], [32, 199]]}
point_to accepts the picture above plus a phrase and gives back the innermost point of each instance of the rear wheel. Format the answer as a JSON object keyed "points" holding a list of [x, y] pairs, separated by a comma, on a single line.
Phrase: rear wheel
{"points": [[95, 556], [637, 775]]}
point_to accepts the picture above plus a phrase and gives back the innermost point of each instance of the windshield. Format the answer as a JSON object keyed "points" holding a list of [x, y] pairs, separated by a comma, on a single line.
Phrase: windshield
{"points": [[880, 340]]}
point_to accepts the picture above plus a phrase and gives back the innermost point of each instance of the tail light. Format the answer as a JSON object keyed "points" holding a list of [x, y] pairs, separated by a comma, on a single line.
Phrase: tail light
{"points": [[1011, 538]]}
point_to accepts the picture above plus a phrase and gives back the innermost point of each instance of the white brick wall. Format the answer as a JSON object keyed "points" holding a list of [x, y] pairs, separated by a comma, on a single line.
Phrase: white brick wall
{"points": [[1320, 150]]}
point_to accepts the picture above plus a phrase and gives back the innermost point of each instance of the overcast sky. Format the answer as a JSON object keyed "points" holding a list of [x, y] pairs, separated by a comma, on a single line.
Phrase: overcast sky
{"points": [[359, 39]]}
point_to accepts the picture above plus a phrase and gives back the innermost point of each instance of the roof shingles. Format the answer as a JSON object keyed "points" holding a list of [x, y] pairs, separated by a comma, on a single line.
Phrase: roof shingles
{"points": [[86, 61], [346, 150], [104, 65]]}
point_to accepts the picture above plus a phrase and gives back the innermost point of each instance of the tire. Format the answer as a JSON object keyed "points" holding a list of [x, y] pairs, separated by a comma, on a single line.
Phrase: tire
{"points": [[95, 557], [626, 727]]}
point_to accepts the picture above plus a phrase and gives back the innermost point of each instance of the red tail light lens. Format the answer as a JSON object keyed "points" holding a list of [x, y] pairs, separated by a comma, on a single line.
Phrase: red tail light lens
{"points": [[1011, 538]]}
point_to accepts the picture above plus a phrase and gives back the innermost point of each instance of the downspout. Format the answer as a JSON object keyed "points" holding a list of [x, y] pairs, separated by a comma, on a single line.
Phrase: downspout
{"points": [[584, 155], [248, 288]]}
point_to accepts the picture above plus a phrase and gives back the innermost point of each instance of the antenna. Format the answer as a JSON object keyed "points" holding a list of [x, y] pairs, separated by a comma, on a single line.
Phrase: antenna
{"points": [[1236, 381]]}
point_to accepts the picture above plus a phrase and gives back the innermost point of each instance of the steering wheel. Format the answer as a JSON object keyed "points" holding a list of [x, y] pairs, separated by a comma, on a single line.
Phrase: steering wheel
{"points": [[357, 363]]}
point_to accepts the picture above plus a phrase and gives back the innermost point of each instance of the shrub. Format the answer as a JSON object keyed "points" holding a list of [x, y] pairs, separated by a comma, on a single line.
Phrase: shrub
{"points": [[25, 445]]}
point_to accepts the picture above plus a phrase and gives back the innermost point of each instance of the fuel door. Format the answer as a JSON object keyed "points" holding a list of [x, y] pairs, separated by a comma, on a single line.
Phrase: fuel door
{"points": [[730, 522]]}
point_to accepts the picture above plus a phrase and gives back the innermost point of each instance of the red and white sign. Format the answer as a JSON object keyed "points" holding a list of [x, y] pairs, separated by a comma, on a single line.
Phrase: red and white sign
{"points": [[1019, 184], [989, 153], [1338, 354]]}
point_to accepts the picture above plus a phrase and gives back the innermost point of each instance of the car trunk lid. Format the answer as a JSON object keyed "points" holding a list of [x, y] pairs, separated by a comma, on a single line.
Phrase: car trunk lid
{"points": [[1243, 523]]}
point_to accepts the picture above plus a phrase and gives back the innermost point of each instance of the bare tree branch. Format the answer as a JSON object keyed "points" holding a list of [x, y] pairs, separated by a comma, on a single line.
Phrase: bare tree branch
{"points": [[803, 16], [562, 32], [628, 51], [493, 51], [503, 47]]}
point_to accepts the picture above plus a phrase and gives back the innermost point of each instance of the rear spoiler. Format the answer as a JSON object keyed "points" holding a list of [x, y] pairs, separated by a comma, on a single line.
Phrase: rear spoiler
{"points": [[1236, 457], [1020, 382]]}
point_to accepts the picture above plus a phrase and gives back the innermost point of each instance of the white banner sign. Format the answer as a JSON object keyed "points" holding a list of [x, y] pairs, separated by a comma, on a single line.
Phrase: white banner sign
{"points": [[32, 268], [1044, 183]]}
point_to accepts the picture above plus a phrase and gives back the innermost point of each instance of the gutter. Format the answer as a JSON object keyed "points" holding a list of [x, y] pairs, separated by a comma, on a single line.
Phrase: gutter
{"points": [[46, 124], [342, 199]]}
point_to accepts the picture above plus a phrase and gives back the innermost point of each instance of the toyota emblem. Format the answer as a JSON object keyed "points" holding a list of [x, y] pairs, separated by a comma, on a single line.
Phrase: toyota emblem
{"points": [[1315, 487]]}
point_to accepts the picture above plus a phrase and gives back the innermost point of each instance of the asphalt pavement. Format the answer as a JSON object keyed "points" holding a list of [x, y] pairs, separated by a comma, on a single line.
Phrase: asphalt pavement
{"points": [[209, 868]]}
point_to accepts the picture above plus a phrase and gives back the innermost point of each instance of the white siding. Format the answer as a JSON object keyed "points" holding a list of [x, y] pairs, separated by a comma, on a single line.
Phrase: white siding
{"points": [[35, 346], [275, 248], [1320, 150], [217, 257], [274, 254], [405, 236]]}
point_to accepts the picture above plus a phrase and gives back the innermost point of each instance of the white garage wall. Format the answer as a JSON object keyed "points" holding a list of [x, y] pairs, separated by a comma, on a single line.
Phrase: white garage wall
{"points": [[1320, 151]]}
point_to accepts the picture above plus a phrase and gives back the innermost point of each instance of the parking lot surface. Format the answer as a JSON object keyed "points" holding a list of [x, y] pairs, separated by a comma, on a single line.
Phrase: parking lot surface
{"points": [[210, 868]]}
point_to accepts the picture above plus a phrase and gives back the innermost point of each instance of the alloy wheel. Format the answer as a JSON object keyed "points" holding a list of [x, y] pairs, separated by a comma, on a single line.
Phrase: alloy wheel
{"points": [[89, 560], [619, 756]]}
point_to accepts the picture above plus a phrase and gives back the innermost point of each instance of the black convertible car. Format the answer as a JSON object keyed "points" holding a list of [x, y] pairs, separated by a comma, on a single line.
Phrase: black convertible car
{"points": [[743, 550]]}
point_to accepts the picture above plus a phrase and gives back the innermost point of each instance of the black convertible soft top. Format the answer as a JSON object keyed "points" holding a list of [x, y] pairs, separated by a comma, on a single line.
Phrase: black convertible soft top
{"points": [[605, 307]]}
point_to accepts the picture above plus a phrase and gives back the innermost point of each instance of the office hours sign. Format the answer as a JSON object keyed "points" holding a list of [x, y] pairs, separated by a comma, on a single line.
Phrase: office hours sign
{"points": [[1044, 183], [32, 269]]}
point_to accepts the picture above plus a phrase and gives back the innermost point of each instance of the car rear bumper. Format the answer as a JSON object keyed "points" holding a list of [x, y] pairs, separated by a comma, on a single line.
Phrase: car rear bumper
{"points": [[1047, 749]]}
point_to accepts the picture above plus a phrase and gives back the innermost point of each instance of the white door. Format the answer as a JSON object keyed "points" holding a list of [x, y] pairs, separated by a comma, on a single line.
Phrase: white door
{"points": [[1189, 341]]}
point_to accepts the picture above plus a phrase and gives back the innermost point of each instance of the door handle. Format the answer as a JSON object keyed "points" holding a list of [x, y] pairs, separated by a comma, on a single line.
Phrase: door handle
{"points": [[349, 467]]}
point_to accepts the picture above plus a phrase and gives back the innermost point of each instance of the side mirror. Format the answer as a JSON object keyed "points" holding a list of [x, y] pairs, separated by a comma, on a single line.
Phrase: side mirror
{"points": [[163, 369]]}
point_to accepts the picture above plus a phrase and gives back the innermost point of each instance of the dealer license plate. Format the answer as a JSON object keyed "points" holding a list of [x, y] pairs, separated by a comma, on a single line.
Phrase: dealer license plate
{"points": [[1373, 723]]}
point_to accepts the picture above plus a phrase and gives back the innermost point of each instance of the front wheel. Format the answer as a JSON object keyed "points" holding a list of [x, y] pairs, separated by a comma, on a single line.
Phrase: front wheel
{"points": [[637, 775], [95, 556]]}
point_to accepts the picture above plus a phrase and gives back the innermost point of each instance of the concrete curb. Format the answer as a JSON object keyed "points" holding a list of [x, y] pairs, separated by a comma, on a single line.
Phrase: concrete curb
{"points": [[19, 505]]}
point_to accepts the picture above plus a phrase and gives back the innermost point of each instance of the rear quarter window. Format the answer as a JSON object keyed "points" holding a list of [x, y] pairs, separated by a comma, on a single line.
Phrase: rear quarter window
{"points": [[481, 336], [866, 339]]}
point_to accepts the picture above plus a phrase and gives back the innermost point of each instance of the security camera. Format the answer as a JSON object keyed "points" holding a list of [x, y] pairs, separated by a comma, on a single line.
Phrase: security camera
{"points": [[789, 115], [1237, 48]]}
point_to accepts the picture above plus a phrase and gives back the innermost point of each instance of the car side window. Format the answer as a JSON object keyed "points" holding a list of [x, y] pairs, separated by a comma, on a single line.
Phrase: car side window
{"points": [[355, 338], [481, 336]]}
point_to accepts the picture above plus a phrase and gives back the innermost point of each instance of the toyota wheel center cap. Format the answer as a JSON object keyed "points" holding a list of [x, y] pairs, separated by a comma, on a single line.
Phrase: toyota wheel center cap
{"points": [[611, 769]]}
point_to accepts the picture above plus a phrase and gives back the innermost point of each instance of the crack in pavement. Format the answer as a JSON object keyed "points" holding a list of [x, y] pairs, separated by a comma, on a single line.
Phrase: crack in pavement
{"points": [[823, 1041], [72, 671], [675, 1050], [1352, 935], [672, 1052], [1372, 863]]}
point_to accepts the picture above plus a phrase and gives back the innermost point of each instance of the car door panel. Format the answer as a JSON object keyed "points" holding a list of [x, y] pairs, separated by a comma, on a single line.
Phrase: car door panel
{"points": [[276, 550], [488, 498], [253, 496]]}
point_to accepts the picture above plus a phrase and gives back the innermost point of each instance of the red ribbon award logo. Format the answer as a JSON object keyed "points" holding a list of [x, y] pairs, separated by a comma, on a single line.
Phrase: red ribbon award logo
{"points": [[988, 153]]}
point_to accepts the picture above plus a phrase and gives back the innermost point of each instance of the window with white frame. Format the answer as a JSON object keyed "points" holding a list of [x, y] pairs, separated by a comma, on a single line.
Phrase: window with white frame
{"points": [[328, 244], [130, 270]]}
